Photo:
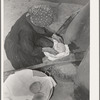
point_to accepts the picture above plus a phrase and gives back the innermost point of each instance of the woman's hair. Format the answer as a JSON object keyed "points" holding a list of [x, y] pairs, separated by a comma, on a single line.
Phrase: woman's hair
{"points": [[41, 15]]}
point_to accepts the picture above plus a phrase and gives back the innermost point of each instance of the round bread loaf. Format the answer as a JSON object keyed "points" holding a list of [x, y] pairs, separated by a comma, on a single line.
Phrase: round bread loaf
{"points": [[35, 87]]}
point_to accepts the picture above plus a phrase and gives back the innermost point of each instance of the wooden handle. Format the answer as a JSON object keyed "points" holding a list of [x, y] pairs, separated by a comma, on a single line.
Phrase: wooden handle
{"points": [[64, 27]]}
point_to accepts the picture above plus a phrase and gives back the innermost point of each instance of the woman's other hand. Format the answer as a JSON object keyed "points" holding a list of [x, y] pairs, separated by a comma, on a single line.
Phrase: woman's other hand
{"points": [[50, 50], [58, 38]]}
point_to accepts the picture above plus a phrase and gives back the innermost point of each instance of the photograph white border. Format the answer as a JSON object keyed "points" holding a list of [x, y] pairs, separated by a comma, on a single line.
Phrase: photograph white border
{"points": [[94, 48]]}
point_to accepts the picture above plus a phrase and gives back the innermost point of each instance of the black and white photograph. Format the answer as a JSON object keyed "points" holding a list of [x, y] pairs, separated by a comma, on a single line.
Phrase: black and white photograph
{"points": [[46, 50]]}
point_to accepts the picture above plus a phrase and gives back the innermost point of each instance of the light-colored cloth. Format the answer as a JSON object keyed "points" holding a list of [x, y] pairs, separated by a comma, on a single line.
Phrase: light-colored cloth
{"points": [[16, 87], [63, 51]]}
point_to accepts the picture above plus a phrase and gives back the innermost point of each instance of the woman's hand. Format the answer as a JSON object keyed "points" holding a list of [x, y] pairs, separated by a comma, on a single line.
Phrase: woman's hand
{"points": [[58, 38], [60, 47], [50, 50]]}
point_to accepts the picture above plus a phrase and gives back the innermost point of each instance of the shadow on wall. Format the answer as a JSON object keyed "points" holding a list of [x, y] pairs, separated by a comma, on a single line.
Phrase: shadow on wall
{"points": [[81, 2]]}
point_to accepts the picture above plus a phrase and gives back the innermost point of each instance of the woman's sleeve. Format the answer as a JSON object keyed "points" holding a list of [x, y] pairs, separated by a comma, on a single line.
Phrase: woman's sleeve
{"points": [[48, 33], [43, 31], [44, 42]]}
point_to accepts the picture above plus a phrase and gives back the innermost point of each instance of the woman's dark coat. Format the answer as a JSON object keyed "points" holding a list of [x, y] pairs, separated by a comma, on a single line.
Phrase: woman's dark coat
{"points": [[23, 44]]}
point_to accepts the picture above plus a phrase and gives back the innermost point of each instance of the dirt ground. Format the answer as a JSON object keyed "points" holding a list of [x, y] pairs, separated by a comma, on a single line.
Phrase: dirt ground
{"points": [[13, 9]]}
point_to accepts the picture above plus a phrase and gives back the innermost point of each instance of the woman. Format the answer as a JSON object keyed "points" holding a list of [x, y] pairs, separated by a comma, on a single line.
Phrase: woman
{"points": [[24, 43]]}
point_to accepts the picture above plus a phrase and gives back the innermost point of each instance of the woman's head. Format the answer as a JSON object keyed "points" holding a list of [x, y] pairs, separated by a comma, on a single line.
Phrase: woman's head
{"points": [[41, 15]]}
